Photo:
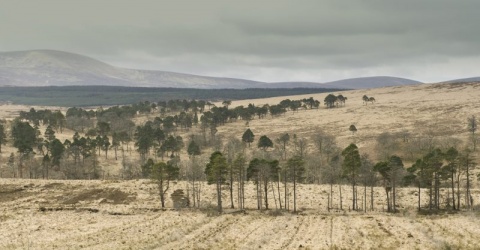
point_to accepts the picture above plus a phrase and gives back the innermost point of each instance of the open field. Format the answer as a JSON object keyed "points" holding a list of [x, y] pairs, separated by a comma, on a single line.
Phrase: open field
{"points": [[126, 214]]}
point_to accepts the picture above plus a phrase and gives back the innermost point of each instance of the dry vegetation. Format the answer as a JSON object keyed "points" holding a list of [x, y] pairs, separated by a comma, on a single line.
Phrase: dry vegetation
{"points": [[41, 214], [126, 214]]}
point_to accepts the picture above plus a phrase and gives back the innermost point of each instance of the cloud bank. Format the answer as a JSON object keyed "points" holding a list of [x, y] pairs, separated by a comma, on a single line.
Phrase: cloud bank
{"points": [[270, 40]]}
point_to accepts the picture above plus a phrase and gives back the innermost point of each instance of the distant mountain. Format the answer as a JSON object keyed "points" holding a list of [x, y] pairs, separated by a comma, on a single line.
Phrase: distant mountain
{"points": [[470, 79], [58, 68], [372, 82], [307, 85]]}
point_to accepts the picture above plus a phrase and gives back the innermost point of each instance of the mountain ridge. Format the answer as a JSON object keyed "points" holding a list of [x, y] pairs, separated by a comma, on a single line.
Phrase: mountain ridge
{"points": [[60, 68], [373, 82], [460, 80]]}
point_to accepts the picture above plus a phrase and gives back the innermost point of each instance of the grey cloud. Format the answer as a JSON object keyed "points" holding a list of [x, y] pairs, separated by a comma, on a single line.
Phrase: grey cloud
{"points": [[254, 39]]}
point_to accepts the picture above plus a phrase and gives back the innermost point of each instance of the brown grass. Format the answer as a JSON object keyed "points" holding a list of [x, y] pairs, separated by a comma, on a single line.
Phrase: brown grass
{"points": [[127, 214]]}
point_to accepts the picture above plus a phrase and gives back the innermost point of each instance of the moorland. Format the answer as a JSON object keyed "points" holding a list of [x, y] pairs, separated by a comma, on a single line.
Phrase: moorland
{"points": [[95, 194]]}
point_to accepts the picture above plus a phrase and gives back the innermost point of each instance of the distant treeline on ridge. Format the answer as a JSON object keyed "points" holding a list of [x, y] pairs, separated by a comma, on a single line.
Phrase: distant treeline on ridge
{"points": [[82, 96]]}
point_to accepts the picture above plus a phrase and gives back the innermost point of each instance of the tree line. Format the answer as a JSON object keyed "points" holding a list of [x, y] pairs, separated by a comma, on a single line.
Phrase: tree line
{"points": [[276, 167]]}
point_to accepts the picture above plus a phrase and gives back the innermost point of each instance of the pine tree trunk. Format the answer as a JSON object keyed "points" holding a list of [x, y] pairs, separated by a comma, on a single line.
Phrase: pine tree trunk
{"points": [[340, 191], [231, 189], [371, 198], [435, 197], [365, 198], [258, 195], [474, 141], [265, 189], [242, 191], [430, 198], [162, 195], [328, 203], [239, 199], [353, 196], [278, 190], [458, 191], [20, 168], [273, 195], [199, 192], [388, 201], [468, 185], [330, 196], [453, 190], [419, 193], [285, 186], [193, 192], [394, 194], [294, 190], [219, 196]]}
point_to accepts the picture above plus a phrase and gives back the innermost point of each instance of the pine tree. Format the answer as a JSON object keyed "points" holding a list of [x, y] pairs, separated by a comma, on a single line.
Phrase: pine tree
{"points": [[216, 170], [163, 173], [56, 151], [295, 169], [24, 136], [452, 157], [248, 137], [472, 128], [115, 143], [238, 166], [49, 134], [264, 142], [193, 149], [330, 100], [384, 170], [262, 171], [284, 139], [351, 165], [396, 172], [3, 137]]}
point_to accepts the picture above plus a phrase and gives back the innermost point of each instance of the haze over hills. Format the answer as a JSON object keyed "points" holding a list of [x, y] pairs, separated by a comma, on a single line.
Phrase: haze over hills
{"points": [[470, 79], [372, 82], [47, 67], [58, 68]]}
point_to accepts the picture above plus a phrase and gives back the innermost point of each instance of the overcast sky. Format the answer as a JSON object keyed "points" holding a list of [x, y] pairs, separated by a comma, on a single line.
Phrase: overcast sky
{"points": [[270, 40]]}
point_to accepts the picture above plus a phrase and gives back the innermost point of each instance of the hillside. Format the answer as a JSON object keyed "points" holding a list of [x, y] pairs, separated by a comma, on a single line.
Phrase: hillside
{"points": [[58, 68], [438, 110], [464, 80], [372, 82], [428, 110], [122, 214]]}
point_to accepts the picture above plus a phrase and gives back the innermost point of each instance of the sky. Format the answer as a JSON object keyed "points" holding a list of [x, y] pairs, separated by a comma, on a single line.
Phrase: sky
{"points": [[263, 40]]}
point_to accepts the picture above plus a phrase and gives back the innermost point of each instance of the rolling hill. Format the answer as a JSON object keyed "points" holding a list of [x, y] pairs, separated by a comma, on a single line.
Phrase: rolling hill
{"points": [[58, 68], [462, 80], [117, 213], [372, 82]]}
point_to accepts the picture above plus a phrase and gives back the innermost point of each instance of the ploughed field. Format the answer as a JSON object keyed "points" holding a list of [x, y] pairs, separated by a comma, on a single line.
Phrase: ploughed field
{"points": [[60, 214]]}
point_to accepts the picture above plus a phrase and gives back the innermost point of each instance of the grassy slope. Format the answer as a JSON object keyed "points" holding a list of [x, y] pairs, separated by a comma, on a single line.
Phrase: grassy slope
{"points": [[438, 110]]}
